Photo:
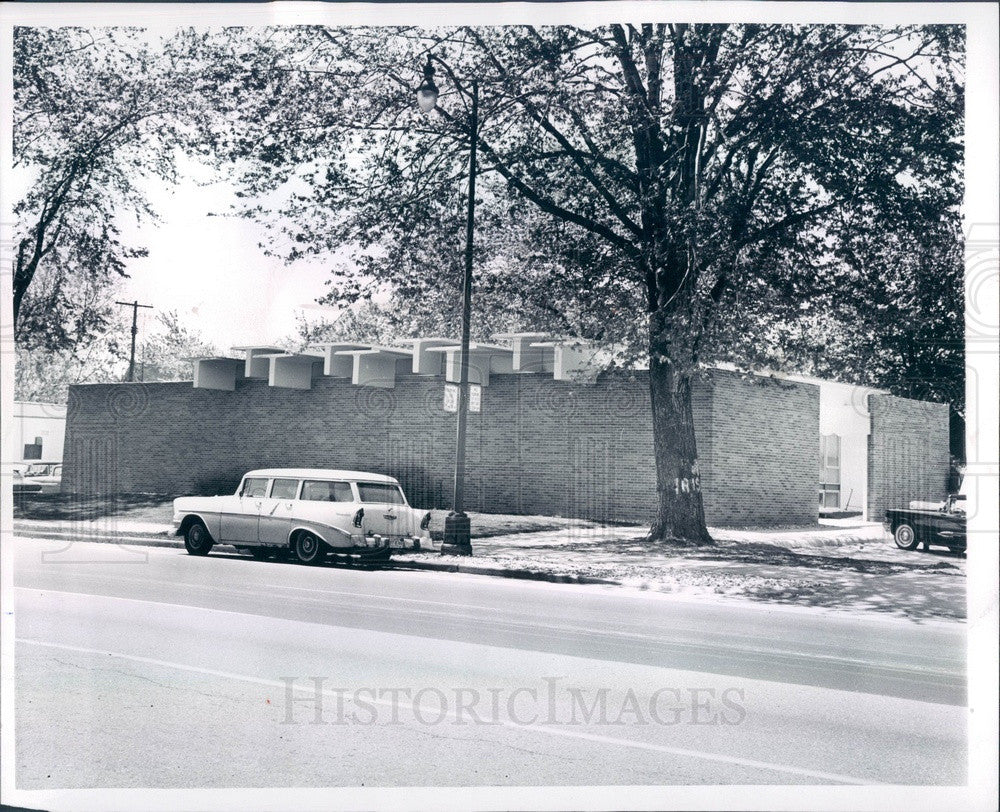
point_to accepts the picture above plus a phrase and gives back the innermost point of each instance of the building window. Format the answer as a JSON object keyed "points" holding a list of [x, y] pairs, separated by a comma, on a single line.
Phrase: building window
{"points": [[829, 471]]}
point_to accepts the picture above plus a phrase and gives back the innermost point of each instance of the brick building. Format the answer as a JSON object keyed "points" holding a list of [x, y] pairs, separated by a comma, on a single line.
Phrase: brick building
{"points": [[567, 440]]}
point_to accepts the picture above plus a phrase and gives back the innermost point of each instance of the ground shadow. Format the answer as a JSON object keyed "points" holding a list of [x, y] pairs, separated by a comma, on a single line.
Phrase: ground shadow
{"points": [[74, 507]]}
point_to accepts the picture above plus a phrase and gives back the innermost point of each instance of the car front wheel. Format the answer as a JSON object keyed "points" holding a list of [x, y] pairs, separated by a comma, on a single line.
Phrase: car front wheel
{"points": [[905, 537], [308, 549], [197, 541]]}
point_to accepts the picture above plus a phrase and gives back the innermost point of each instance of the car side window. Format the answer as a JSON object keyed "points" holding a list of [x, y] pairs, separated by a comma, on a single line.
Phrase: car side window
{"points": [[322, 491], [342, 492], [385, 493], [284, 488], [254, 488]]}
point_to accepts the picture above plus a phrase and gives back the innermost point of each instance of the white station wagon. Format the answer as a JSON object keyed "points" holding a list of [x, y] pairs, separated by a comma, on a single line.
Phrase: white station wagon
{"points": [[308, 512]]}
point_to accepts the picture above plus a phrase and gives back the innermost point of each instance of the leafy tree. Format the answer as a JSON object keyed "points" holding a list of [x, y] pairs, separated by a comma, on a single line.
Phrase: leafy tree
{"points": [[95, 112], [45, 375], [674, 187], [920, 271], [162, 354], [166, 351], [902, 326]]}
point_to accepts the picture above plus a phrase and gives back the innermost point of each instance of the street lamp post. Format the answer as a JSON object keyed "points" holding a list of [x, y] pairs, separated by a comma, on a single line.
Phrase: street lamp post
{"points": [[457, 528]]}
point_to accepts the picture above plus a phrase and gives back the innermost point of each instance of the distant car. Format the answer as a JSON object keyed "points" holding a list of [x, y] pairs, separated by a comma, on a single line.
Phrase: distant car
{"points": [[37, 477], [943, 525], [46, 474], [20, 484], [307, 513]]}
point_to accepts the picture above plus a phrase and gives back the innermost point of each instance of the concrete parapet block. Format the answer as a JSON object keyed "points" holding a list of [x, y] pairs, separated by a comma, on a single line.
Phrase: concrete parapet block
{"points": [[375, 366], [529, 352], [293, 370], [256, 365], [425, 360], [483, 359], [578, 361], [218, 373], [335, 363]]}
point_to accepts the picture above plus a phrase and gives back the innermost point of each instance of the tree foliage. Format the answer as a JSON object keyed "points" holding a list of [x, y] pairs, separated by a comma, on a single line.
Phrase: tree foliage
{"points": [[97, 112], [793, 124], [166, 351], [763, 194], [166, 345], [683, 186]]}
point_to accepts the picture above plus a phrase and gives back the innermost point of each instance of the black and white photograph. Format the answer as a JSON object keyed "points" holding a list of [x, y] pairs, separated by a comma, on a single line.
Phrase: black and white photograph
{"points": [[499, 405]]}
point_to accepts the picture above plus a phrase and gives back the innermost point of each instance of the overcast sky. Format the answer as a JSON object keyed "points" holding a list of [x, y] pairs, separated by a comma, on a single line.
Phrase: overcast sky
{"points": [[211, 270]]}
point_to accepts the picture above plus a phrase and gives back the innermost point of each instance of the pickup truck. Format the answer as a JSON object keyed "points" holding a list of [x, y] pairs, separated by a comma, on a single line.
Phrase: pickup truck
{"points": [[943, 526]]}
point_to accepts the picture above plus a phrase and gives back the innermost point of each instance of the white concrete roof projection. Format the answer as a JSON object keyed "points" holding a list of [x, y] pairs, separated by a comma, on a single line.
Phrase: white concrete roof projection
{"points": [[366, 364]]}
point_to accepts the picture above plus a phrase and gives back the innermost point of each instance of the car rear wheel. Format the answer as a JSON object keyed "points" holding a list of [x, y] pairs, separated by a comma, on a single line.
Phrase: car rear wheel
{"points": [[197, 541], [308, 549], [905, 537]]}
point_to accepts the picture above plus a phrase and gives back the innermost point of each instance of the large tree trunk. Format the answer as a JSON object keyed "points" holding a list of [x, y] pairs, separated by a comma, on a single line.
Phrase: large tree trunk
{"points": [[680, 515]]}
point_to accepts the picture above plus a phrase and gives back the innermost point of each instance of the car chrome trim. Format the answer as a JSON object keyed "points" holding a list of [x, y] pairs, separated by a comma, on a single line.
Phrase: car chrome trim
{"points": [[310, 528]]}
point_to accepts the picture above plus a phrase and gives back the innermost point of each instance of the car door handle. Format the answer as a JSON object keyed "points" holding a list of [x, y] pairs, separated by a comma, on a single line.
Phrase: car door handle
{"points": [[288, 505]]}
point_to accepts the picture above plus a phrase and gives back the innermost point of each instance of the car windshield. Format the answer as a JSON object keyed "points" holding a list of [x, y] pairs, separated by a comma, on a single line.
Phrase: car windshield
{"points": [[383, 493]]}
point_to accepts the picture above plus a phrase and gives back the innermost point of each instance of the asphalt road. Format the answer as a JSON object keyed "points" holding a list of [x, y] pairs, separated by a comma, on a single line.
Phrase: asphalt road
{"points": [[145, 667]]}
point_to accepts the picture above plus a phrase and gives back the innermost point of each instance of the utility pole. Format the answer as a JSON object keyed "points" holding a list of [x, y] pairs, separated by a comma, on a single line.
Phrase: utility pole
{"points": [[135, 329]]}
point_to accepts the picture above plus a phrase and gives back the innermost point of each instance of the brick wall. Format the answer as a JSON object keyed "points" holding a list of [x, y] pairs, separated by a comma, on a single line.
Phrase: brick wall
{"points": [[907, 453], [538, 446], [762, 452]]}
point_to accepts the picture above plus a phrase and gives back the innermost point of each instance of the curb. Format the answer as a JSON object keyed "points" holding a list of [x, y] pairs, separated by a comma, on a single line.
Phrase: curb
{"points": [[63, 529], [496, 572], [121, 540]]}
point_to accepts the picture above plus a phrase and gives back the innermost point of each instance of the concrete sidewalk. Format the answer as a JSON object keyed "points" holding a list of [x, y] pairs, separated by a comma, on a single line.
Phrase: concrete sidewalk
{"points": [[843, 565]]}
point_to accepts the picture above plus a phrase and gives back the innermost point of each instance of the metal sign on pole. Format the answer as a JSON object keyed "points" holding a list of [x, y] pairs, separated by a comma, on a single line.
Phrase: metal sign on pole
{"points": [[452, 394], [450, 398]]}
